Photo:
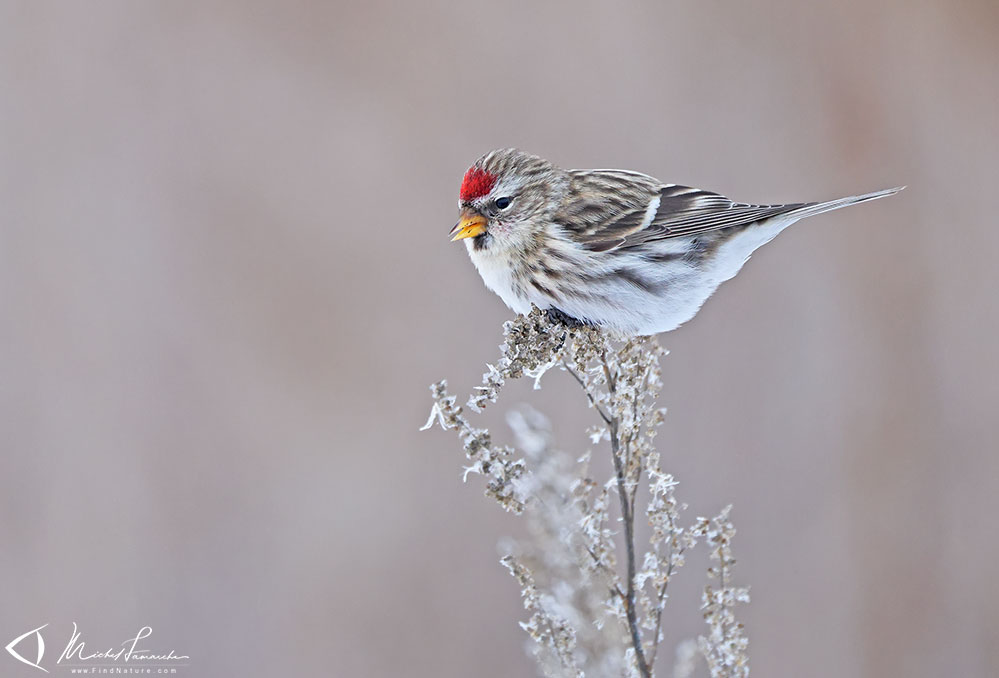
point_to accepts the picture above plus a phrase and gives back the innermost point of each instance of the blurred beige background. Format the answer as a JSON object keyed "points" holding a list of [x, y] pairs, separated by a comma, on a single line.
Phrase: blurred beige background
{"points": [[225, 284]]}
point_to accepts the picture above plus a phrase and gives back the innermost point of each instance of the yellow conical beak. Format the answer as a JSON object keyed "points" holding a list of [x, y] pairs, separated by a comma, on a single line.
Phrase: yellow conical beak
{"points": [[469, 225]]}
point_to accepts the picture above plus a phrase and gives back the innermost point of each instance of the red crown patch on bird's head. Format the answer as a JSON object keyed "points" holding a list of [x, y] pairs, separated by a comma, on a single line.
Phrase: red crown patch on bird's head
{"points": [[477, 183]]}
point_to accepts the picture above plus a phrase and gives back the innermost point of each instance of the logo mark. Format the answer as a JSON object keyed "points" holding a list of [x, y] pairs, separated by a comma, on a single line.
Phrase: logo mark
{"points": [[40, 643]]}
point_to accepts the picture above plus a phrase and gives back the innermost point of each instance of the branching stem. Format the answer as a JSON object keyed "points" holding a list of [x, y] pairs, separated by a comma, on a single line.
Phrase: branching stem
{"points": [[628, 517], [575, 375], [629, 539]]}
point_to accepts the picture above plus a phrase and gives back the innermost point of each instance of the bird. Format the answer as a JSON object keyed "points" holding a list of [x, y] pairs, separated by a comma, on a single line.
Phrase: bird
{"points": [[610, 248]]}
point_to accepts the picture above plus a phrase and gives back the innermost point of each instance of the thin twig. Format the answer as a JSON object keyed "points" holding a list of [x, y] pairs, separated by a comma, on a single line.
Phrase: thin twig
{"points": [[600, 411], [629, 539], [662, 592], [627, 512], [627, 516], [615, 589], [659, 610], [611, 384]]}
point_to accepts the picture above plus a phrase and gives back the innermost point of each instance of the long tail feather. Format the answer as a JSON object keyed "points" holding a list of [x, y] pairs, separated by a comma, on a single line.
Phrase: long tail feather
{"points": [[820, 207]]}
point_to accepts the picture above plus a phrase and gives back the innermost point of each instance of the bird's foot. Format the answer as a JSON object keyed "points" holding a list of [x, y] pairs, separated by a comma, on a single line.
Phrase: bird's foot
{"points": [[561, 317]]}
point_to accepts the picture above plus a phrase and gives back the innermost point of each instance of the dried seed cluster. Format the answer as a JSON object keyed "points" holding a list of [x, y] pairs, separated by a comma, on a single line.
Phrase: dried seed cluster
{"points": [[589, 613]]}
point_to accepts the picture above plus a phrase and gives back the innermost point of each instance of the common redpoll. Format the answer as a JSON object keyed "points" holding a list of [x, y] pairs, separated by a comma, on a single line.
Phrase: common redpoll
{"points": [[610, 248]]}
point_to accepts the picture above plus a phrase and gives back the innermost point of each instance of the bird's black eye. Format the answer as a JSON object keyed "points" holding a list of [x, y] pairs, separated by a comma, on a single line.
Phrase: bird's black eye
{"points": [[502, 203]]}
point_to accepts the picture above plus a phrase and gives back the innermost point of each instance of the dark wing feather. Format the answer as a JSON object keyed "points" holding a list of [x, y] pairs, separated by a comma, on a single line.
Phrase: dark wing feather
{"points": [[687, 211], [604, 207], [607, 209]]}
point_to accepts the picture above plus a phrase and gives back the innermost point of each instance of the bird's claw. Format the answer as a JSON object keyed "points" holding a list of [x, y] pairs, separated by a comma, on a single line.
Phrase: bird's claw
{"points": [[562, 318]]}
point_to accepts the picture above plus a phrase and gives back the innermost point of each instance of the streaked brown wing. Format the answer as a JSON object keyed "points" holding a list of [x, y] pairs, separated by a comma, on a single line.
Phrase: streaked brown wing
{"points": [[616, 208], [604, 207], [685, 211]]}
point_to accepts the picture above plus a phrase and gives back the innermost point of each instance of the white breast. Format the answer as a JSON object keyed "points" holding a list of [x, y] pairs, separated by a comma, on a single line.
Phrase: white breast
{"points": [[496, 270]]}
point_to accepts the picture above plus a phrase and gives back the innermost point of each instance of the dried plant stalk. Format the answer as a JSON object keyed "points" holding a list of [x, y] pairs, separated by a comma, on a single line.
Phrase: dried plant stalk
{"points": [[590, 614]]}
